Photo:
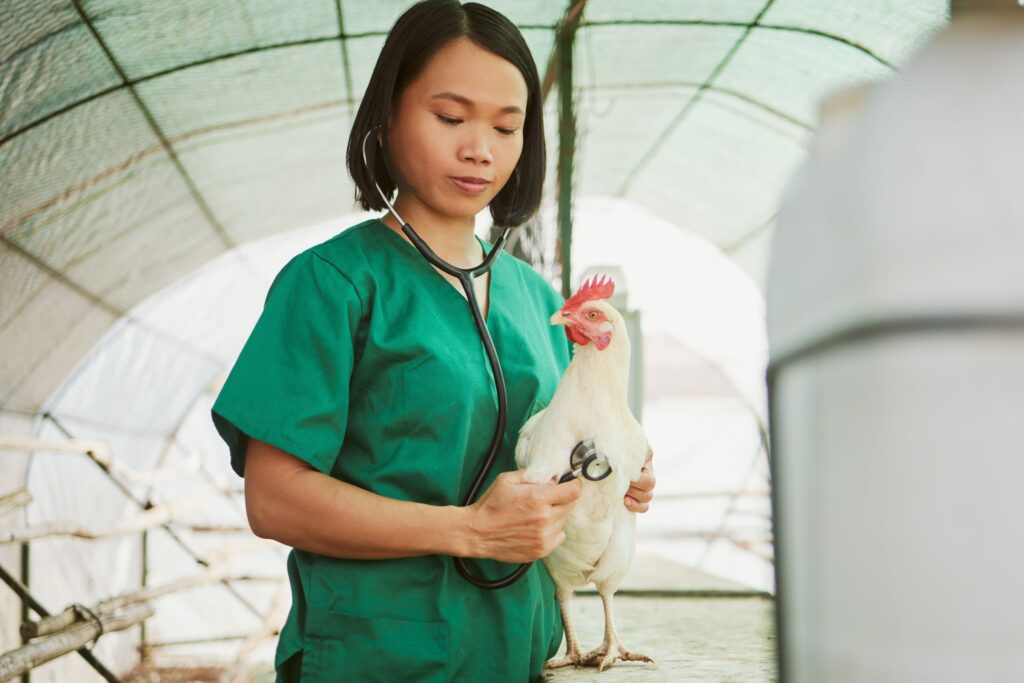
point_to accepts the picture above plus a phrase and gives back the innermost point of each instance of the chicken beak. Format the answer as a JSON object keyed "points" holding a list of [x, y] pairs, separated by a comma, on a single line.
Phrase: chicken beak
{"points": [[559, 318]]}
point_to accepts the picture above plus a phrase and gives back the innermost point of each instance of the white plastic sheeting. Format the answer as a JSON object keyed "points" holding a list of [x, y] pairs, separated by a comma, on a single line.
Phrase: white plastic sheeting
{"points": [[146, 389]]}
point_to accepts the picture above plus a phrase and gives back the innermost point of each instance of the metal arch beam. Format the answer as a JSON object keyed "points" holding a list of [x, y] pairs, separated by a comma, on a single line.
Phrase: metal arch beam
{"points": [[728, 92], [193, 190], [739, 24], [548, 81], [95, 299], [573, 14], [129, 83], [345, 62], [691, 102], [166, 526], [749, 236]]}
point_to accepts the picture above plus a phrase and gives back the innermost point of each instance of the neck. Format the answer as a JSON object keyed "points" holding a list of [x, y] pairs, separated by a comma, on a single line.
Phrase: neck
{"points": [[611, 366], [451, 237]]}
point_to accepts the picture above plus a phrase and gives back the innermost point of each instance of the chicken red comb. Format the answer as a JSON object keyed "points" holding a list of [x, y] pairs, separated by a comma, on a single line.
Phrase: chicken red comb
{"points": [[596, 287]]}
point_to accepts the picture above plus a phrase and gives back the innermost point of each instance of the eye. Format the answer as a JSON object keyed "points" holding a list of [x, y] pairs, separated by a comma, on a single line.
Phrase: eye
{"points": [[506, 131], [593, 315], [448, 120]]}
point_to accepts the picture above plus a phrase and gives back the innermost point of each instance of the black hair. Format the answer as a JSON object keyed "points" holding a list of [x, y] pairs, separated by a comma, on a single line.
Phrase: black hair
{"points": [[418, 34]]}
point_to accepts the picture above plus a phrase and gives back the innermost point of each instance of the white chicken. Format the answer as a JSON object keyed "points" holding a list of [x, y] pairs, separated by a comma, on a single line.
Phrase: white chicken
{"points": [[590, 403]]}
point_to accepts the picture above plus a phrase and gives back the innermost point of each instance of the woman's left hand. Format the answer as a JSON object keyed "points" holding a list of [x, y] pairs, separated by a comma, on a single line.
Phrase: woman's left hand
{"points": [[638, 497]]}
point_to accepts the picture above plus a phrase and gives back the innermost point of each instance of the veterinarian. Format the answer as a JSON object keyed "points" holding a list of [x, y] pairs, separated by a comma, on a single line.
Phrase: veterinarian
{"points": [[362, 402]]}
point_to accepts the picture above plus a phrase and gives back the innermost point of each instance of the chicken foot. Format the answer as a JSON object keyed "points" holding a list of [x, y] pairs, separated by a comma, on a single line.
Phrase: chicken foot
{"points": [[611, 649], [573, 654]]}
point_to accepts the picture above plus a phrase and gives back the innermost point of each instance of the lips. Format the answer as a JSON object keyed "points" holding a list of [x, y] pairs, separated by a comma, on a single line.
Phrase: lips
{"points": [[470, 184]]}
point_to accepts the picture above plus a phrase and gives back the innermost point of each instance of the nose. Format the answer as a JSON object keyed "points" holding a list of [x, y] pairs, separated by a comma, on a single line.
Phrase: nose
{"points": [[474, 146]]}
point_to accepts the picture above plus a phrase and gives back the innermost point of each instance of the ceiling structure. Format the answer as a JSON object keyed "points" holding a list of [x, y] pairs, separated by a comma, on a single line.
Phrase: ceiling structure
{"points": [[138, 141]]}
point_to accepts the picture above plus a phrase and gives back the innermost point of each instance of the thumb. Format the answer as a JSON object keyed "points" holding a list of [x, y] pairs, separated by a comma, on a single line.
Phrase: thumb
{"points": [[567, 492], [514, 476]]}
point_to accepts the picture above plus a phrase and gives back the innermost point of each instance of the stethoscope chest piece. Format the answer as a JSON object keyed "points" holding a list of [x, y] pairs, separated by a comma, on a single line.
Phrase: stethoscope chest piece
{"points": [[585, 460]]}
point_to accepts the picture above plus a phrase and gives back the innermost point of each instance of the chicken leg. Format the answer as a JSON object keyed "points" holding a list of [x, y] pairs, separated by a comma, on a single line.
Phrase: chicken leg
{"points": [[573, 654], [611, 649]]}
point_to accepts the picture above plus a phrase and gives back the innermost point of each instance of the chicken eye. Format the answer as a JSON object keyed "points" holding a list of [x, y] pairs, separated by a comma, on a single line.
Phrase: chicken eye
{"points": [[592, 315]]}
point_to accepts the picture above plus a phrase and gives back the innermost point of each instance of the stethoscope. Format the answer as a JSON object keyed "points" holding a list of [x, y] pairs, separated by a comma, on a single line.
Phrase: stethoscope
{"points": [[583, 457]]}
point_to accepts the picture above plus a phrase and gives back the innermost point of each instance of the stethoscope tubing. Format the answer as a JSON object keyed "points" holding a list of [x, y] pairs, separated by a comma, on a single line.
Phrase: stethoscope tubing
{"points": [[465, 277]]}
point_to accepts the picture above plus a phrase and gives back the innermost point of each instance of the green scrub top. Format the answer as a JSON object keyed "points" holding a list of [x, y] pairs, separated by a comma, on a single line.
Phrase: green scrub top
{"points": [[366, 364]]}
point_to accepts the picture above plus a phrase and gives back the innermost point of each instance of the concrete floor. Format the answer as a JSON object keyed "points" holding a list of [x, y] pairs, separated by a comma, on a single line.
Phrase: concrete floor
{"points": [[695, 626], [712, 639], [692, 639]]}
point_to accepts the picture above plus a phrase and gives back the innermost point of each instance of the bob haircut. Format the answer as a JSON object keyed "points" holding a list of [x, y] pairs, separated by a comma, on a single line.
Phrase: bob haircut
{"points": [[420, 32]]}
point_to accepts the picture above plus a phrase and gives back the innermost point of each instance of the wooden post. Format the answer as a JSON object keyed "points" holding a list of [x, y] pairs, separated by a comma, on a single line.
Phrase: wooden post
{"points": [[167, 527], [100, 453], [22, 591], [566, 139], [143, 580], [159, 515], [28, 601], [268, 629], [15, 499], [52, 624], [27, 657]]}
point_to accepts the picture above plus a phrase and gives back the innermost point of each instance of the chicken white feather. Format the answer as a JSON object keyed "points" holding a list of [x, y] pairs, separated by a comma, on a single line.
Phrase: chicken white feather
{"points": [[590, 403]]}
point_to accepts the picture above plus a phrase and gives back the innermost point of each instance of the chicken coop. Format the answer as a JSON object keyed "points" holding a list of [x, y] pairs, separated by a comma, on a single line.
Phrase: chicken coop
{"points": [[161, 162]]}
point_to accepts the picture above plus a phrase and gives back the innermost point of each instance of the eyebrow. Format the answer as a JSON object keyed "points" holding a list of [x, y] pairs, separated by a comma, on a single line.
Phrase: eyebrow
{"points": [[455, 97]]}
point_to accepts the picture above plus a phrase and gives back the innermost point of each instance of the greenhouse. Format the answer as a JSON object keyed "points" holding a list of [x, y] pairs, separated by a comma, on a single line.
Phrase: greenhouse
{"points": [[749, 174]]}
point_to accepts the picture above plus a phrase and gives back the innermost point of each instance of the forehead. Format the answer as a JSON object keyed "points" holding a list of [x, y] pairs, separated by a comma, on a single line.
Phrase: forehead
{"points": [[464, 67]]}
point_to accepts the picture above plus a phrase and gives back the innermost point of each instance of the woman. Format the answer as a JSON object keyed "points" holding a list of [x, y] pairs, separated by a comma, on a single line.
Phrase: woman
{"points": [[362, 404]]}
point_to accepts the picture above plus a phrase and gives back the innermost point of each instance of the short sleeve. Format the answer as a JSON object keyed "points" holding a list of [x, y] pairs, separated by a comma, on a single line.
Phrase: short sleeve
{"points": [[290, 384]]}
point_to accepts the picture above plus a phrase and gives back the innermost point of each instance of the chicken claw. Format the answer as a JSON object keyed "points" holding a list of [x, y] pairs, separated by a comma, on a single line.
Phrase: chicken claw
{"points": [[611, 649], [572, 657], [603, 657], [573, 654]]}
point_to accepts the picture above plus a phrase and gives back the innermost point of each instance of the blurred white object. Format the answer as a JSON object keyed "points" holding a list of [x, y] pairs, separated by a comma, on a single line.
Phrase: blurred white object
{"points": [[896, 328]]}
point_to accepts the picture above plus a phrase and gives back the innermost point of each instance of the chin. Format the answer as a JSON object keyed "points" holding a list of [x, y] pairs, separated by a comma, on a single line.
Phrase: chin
{"points": [[457, 209]]}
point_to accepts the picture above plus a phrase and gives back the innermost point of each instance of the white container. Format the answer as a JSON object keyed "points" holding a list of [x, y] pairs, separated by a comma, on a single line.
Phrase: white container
{"points": [[896, 326]]}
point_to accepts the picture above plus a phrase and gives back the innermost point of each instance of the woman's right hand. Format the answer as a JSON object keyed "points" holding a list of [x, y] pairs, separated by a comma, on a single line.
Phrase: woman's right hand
{"points": [[519, 521]]}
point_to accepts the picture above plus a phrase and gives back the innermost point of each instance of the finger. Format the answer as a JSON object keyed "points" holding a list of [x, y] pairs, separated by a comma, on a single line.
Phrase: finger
{"points": [[640, 496], [516, 476], [645, 482], [565, 493], [639, 487], [634, 505]]}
